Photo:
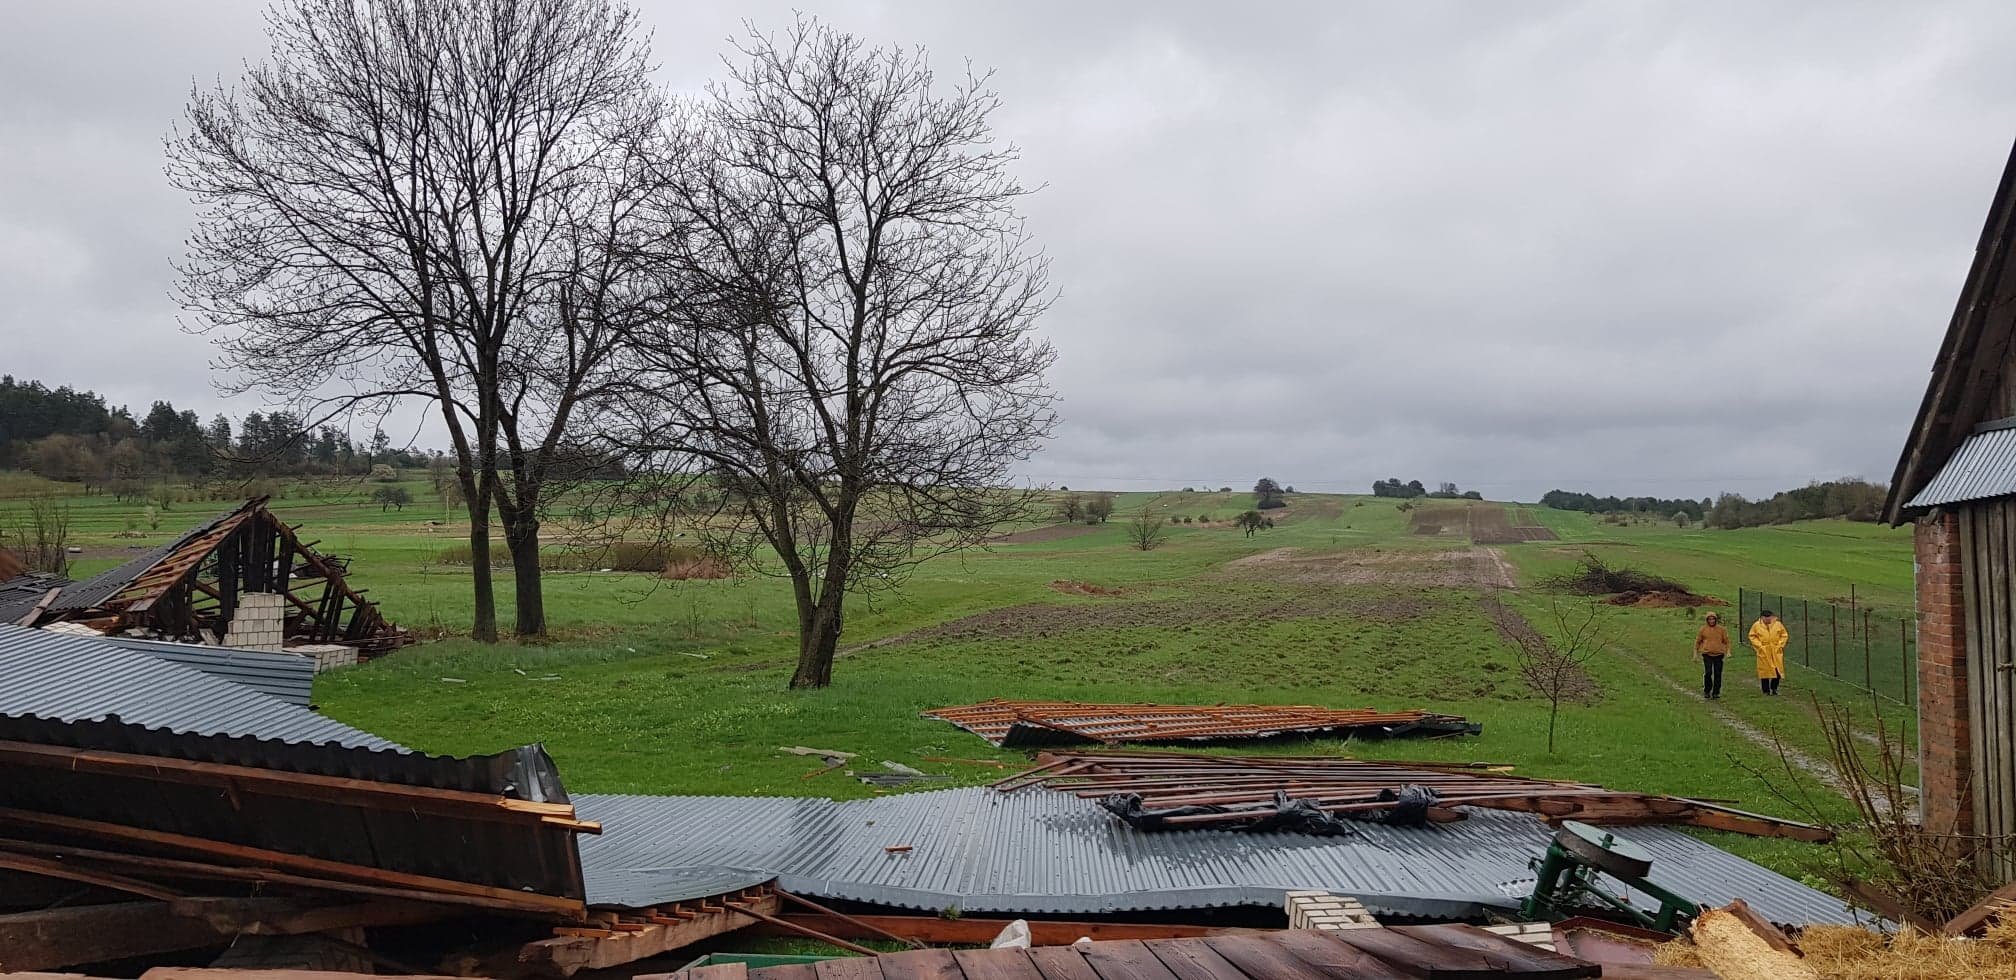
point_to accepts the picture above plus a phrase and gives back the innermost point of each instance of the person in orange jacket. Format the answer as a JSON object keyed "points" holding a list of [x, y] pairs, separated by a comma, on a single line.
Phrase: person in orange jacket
{"points": [[1711, 647], [1768, 637]]}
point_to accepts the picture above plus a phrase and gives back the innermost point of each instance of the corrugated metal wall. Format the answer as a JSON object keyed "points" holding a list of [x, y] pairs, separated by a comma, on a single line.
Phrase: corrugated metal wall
{"points": [[1988, 549]]}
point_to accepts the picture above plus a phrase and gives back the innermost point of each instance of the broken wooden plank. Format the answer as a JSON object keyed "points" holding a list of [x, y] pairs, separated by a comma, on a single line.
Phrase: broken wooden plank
{"points": [[293, 916], [567, 954], [62, 937], [244, 854], [1980, 913]]}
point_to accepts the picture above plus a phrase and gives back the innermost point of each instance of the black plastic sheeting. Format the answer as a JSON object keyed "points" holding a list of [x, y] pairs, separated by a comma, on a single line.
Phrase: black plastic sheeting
{"points": [[1284, 815]]}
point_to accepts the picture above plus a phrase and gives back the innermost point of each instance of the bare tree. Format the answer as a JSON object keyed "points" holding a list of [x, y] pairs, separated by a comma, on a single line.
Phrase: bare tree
{"points": [[1146, 530], [427, 199], [1098, 508], [41, 536], [851, 343], [1071, 508], [1555, 667]]}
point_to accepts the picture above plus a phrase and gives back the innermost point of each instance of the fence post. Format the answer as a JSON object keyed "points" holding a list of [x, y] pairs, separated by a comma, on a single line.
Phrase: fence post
{"points": [[1834, 637], [1866, 682], [1806, 633], [1904, 655]]}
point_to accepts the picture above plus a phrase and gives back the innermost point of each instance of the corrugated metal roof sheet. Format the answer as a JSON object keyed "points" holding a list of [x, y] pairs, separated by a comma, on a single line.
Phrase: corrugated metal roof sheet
{"points": [[19, 594], [76, 678], [287, 676], [1037, 852], [1984, 466]]}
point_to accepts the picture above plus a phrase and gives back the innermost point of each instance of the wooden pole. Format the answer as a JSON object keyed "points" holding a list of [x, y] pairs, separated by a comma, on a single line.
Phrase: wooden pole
{"points": [[1866, 680], [1806, 633]]}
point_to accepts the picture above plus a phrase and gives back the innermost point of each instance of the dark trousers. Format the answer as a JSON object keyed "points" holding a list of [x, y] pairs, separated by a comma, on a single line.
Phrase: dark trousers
{"points": [[1770, 684], [1711, 676]]}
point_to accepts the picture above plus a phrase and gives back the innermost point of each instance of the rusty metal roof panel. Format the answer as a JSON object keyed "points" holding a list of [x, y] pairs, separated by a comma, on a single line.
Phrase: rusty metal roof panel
{"points": [[1042, 852], [62, 677], [1983, 467]]}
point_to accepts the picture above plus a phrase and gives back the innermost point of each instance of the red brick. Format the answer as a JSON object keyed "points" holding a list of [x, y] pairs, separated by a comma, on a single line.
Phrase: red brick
{"points": [[1945, 752]]}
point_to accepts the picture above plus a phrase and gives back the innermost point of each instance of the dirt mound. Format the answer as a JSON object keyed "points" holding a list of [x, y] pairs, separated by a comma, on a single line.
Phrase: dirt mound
{"points": [[1069, 587], [1038, 535], [1665, 599], [1629, 587]]}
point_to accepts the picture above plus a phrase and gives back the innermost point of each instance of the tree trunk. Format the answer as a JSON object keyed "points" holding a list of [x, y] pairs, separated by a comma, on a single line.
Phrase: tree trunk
{"points": [[818, 637], [484, 628], [521, 534], [1553, 712]]}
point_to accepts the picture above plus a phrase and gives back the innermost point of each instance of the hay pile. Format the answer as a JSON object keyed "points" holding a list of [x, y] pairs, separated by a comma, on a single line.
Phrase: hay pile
{"points": [[1850, 953]]}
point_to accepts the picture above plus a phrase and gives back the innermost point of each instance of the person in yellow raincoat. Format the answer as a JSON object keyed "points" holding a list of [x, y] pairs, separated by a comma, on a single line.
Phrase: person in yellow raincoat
{"points": [[1768, 637]]}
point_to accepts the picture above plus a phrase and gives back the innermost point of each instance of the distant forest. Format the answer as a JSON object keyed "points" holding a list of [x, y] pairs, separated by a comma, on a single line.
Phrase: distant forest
{"points": [[1850, 498], [74, 436]]}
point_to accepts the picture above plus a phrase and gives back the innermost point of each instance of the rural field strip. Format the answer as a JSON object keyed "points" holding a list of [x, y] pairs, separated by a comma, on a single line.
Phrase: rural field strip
{"points": [[1804, 762]]}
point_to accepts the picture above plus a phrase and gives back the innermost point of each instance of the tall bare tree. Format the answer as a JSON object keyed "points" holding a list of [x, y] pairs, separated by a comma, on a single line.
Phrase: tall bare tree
{"points": [[852, 339], [428, 199]]}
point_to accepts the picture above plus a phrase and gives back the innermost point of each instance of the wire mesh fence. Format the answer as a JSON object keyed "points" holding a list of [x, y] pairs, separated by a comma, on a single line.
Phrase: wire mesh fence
{"points": [[1871, 650]]}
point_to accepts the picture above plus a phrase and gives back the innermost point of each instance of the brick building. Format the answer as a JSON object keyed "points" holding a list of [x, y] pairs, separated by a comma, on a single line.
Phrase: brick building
{"points": [[1956, 481]]}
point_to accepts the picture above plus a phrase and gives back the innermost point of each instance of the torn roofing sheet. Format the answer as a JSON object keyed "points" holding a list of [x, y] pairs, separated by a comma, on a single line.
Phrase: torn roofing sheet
{"points": [[1027, 723], [1045, 852]]}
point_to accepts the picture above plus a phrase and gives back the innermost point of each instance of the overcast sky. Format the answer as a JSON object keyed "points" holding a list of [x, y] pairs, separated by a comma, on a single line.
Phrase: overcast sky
{"points": [[1671, 248]]}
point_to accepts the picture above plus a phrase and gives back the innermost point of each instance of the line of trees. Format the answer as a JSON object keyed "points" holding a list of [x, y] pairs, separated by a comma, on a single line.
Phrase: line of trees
{"points": [[1591, 504], [74, 437], [1410, 489], [798, 310], [1850, 498]]}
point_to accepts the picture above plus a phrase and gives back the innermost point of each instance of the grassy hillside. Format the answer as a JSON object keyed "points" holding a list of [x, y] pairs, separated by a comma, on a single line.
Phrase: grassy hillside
{"points": [[652, 686]]}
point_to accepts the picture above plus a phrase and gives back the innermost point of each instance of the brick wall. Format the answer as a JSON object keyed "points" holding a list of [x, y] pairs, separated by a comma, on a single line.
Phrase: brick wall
{"points": [[1944, 750]]}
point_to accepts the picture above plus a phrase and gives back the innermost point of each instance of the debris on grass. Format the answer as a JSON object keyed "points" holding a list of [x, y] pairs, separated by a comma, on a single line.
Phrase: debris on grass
{"points": [[1628, 586], [1069, 587]]}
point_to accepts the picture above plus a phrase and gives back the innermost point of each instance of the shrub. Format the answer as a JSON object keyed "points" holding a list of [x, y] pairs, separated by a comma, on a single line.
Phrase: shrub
{"points": [[384, 473]]}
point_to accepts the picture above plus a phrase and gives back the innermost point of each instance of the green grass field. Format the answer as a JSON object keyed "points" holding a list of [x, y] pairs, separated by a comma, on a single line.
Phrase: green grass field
{"points": [[679, 687]]}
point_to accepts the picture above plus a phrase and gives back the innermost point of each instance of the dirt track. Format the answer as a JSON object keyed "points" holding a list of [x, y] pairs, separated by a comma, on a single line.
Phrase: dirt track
{"points": [[1474, 567]]}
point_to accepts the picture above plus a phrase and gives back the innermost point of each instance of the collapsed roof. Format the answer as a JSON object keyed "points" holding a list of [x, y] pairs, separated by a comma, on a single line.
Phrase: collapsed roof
{"points": [[192, 588], [1033, 853]]}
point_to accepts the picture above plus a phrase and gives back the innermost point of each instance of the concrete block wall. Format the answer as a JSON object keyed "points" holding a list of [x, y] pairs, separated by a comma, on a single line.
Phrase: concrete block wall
{"points": [[328, 656], [1944, 746], [258, 623], [1324, 911]]}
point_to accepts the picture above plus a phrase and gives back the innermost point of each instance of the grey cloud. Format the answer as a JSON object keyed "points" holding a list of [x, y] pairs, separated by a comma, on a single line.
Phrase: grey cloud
{"points": [[1647, 248]]}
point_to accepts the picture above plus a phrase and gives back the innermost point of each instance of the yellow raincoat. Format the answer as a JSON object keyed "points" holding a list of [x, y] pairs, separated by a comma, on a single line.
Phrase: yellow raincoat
{"points": [[1769, 640]]}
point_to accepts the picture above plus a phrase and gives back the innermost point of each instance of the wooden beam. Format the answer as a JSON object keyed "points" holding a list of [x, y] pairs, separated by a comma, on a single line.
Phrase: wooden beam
{"points": [[65, 872], [53, 938], [965, 931], [220, 973], [1994, 906], [567, 954], [291, 917], [243, 854], [274, 782], [28, 619], [174, 868]]}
